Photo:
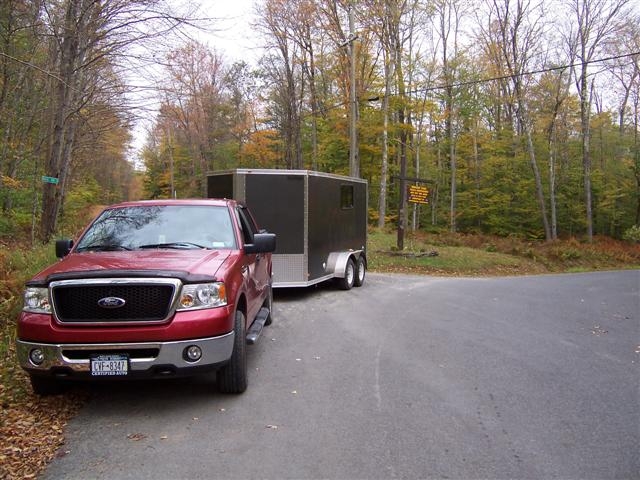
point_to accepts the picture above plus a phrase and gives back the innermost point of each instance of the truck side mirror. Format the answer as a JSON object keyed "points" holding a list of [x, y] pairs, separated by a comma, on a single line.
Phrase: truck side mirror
{"points": [[262, 243], [63, 247]]}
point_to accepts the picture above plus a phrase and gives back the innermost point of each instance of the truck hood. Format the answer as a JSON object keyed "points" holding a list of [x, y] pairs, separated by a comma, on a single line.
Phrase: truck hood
{"points": [[188, 265]]}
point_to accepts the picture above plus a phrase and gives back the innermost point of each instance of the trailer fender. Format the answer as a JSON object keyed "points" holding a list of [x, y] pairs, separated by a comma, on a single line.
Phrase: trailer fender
{"points": [[337, 262]]}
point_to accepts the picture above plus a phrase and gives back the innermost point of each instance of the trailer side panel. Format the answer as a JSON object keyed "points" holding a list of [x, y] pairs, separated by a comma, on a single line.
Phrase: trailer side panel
{"points": [[220, 186], [278, 202], [337, 219]]}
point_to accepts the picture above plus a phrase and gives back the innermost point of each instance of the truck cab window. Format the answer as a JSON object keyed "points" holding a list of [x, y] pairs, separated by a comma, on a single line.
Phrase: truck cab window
{"points": [[247, 224]]}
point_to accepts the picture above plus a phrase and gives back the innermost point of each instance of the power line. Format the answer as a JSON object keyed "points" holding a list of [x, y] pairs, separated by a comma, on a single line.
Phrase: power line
{"points": [[505, 77], [486, 80]]}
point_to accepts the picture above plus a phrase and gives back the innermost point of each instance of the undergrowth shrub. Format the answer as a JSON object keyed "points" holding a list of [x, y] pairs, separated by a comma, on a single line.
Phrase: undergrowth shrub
{"points": [[16, 267], [632, 234], [15, 224]]}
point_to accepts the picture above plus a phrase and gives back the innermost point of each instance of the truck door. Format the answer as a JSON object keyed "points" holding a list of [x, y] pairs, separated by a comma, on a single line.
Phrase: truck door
{"points": [[256, 267]]}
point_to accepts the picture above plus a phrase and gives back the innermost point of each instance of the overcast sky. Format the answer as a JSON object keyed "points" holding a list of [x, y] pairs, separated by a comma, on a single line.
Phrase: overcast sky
{"points": [[231, 35], [234, 35]]}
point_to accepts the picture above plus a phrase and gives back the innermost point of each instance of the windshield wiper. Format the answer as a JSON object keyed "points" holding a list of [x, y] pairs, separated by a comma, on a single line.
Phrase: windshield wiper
{"points": [[177, 245], [99, 247]]}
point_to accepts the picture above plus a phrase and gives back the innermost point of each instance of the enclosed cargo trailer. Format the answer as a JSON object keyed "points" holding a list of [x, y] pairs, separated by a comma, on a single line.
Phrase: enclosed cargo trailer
{"points": [[320, 221]]}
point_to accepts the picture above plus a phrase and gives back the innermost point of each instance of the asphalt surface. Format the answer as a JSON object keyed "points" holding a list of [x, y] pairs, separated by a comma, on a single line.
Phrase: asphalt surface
{"points": [[405, 377]]}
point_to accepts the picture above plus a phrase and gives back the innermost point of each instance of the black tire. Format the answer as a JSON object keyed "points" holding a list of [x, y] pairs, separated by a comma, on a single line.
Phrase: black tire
{"points": [[349, 276], [233, 378], [268, 303], [361, 269], [44, 386]]}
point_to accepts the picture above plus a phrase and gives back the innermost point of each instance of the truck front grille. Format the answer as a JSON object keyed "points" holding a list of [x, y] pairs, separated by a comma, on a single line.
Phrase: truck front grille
{"points": [[132, 300]]}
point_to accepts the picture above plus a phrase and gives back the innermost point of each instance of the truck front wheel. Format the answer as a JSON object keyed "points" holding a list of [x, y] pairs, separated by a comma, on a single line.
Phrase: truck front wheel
{"points": [[44, 386], [232, 378]]}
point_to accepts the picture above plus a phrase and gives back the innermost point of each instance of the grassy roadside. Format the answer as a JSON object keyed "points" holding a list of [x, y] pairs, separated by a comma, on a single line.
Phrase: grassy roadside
{"points": [[478, 255], [31, 428]]}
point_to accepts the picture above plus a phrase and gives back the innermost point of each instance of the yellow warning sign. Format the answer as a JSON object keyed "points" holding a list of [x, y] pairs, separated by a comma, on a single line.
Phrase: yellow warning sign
{"points": [[418, 194]]}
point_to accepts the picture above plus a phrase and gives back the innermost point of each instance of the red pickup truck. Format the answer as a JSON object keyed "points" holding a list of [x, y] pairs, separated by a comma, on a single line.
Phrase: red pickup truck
{"points": [[150, 289]]}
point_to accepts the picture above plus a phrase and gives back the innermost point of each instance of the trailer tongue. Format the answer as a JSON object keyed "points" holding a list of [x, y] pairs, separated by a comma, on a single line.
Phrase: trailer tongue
{"points": [[320, 221]]}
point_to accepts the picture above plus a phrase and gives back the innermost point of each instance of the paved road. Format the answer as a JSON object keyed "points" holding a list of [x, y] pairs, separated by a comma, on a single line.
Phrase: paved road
{"points": [[406, 377]]}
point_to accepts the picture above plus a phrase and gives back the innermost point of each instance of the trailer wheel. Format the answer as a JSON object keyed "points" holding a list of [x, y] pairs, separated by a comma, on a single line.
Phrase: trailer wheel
{"points": [[233, 378], [349, 276], [361, 267]]}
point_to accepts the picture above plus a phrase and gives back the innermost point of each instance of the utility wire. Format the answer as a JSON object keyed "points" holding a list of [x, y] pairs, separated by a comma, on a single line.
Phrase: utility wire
{"points": [[415, 91], [482, 80], [505, 77]]}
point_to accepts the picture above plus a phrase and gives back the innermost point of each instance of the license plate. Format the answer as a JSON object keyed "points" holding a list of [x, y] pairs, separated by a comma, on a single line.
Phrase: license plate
{"points": [[109, 365]]}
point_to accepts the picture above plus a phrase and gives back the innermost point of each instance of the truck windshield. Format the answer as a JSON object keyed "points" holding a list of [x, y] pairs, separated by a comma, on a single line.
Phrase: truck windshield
{"points": [[160, 226]]}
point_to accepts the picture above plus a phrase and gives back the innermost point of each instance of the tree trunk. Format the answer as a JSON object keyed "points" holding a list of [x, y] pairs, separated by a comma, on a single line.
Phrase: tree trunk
{"points": [[402, 117], [476, 161], [314, 110], [66, 93], [538, 182], [452, 159], [382, 200], [585, 110], [552, 185]]}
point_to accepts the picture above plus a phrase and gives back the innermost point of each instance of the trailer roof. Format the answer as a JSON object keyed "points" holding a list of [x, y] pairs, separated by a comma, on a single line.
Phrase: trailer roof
{"points": [[288, 172]]}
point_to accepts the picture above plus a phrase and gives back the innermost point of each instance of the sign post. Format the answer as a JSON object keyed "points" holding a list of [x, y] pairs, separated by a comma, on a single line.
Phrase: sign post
{"points": [[414, 194]]}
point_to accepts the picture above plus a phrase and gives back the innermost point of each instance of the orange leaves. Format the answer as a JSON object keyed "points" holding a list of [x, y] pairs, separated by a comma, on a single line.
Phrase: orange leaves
{"points": [[31, 427], [31, 431], [262, 149], [10, 182]]}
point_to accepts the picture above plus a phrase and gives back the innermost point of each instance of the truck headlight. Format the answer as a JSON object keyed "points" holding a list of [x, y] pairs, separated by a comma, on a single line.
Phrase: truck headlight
{"points": [[203, 295], [36, 300]]}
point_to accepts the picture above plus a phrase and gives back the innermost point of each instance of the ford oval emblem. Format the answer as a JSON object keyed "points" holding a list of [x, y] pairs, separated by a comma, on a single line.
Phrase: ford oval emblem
{"points": [[111, 302]]}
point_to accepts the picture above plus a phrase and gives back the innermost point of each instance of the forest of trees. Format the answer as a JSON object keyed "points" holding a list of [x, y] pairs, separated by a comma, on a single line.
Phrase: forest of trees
{"points": [[522, 115]]}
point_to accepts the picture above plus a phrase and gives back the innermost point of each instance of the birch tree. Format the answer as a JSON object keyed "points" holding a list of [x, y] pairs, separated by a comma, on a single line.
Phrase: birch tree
{"points": [[596, 22], [85, 36], [449, 15], [195, 91], [382, 16], [519, 33], [624, 69], [276, 22], [21, 96]]}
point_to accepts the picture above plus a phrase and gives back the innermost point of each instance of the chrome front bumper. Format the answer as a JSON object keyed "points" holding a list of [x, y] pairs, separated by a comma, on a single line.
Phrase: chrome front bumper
{"points": [[152, 357]]}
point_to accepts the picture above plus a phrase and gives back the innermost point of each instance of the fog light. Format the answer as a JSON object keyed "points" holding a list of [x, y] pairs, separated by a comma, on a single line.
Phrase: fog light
{"points": [[192, 353], [36, 356]]}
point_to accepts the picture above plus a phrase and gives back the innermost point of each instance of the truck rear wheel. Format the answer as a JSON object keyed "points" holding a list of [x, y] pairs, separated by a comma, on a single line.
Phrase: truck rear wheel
{"points": [[232, 378], [361, 267], [44, 386], [348, 280]]}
